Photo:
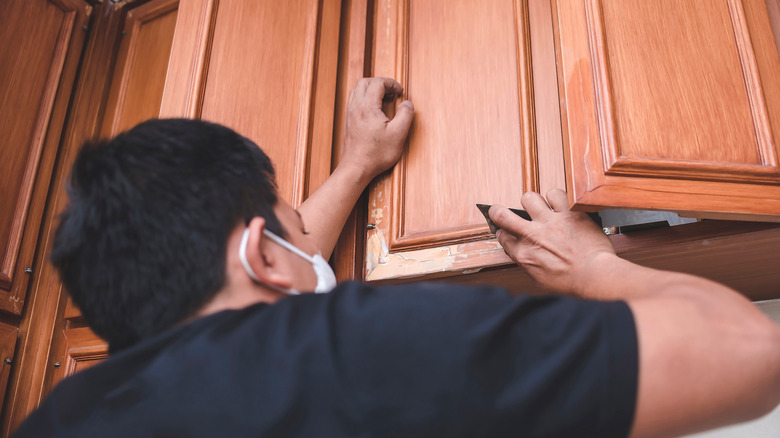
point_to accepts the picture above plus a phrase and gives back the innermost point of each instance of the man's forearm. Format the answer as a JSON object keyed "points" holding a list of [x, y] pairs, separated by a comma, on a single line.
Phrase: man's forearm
{"points": [[372, 145], [707, 356], [325, 212]]}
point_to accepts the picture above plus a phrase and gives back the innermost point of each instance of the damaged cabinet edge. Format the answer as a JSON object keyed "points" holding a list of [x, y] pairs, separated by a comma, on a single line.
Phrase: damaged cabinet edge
{"points": [[453, 259]]}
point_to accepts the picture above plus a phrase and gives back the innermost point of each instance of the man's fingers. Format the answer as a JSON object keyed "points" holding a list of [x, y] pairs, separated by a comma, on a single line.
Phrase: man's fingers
{"points": [[535, 205], [379, 87], [399, 126], [558, 200], [360, 89], [508, 221]]}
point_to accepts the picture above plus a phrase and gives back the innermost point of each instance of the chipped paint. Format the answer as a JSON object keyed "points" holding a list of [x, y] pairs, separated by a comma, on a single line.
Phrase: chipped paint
{"points": [[377, 215], [471, 271], [453, 259], [376, 251]]}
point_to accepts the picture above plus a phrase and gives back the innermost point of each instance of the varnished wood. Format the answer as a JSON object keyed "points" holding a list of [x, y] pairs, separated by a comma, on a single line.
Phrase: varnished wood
{"points": [[142, 64], [71, 311], [546, 103], [472, 140], [773, 6], [272, 96], [670, 105], [25, 389], [348, 255], [188, 65], [76, 350], [321, 146], [38, 65], [8, 334], [467, 68]]}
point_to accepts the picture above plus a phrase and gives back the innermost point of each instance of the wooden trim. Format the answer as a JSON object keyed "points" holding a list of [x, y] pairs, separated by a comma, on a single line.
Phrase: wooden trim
{"points": [[127, 56], [546, 102], [305, 106], [322, 150], [693, 170], [773, 7], [353, 57], [86, 108], [721, 200], [526, 96], [185, 84], [738, 254], [73, 346]]}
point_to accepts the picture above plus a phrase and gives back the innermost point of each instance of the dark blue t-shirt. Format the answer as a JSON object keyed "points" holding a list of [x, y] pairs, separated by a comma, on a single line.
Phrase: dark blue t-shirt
{"points": [[416, 360]]}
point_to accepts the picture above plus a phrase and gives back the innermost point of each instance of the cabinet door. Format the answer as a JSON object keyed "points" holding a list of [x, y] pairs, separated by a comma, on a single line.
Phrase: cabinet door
{"points": [[266, 69], [142, 63], [40, 46], [8, 335], [670, 105], [76, 349], [466, 67]]}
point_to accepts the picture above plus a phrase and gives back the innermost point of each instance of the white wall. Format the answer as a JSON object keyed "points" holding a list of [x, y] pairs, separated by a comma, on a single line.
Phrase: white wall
{"points": [[767, 426]]}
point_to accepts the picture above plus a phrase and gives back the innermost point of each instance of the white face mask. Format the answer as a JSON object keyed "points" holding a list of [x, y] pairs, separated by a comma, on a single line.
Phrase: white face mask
{"points": [[326, 279]]}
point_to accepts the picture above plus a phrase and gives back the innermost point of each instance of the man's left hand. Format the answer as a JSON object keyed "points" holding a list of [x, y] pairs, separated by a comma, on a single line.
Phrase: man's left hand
{"points": [[373, 142]]}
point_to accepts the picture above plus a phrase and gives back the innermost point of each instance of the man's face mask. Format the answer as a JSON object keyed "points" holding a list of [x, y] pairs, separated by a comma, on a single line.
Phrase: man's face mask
{"points": [[326, 279]]}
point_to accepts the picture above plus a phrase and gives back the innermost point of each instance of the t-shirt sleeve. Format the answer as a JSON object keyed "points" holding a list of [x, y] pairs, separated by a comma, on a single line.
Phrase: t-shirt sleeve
{"points": [[444, 360]]}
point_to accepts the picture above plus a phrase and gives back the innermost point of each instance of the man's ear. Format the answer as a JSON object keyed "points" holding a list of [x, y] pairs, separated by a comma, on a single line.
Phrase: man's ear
{"points": [[265, 256]]}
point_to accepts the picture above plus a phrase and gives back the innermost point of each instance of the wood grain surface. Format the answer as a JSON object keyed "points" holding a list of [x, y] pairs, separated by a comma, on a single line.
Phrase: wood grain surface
{"points": [[466, 67], [142, 64], [40, 44], [670, 105]]}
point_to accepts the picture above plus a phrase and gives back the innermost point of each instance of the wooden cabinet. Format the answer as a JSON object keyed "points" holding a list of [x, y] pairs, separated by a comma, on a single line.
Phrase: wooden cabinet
{"points": [[671, 105], [660, 105], [467, 68], [265, 69], [8, 334], [76, 349], [141, 67], [40, 48]]}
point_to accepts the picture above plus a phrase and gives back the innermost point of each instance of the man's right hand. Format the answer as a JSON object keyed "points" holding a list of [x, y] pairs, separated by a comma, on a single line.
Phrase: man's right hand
{"points": [[707, 356], [559, 248]]}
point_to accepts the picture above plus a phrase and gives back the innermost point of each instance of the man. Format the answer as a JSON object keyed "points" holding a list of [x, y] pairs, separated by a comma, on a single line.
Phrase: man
{"points": [[178, 252]]}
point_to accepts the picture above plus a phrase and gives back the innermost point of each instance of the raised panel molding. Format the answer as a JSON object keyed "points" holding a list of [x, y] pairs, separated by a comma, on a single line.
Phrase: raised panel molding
{"points": [[670, 106], [188, 67], [34, 141], [272, 96], [142, 65], [617, 163], [77, 349], [410, 38], [36, 62]]}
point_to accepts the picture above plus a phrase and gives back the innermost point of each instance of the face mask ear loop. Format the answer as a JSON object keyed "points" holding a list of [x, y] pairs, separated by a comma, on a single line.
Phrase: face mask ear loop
{"points": [[242, 255], [251, 272], [288, 246]]}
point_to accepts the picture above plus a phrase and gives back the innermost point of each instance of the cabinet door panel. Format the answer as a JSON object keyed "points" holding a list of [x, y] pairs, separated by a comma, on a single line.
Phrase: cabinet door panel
{"points": [[40, 45], [142, 63], [76, 349], [8, 335], [254, 66], [671, 105], [466, 67]]}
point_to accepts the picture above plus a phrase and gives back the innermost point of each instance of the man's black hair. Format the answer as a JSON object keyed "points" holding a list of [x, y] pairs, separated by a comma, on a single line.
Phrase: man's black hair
{"points": [[142, 244]]}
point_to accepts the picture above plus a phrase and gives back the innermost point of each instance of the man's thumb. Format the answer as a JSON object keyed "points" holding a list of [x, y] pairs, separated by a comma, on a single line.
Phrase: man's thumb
{"points": [[400, 124]]}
